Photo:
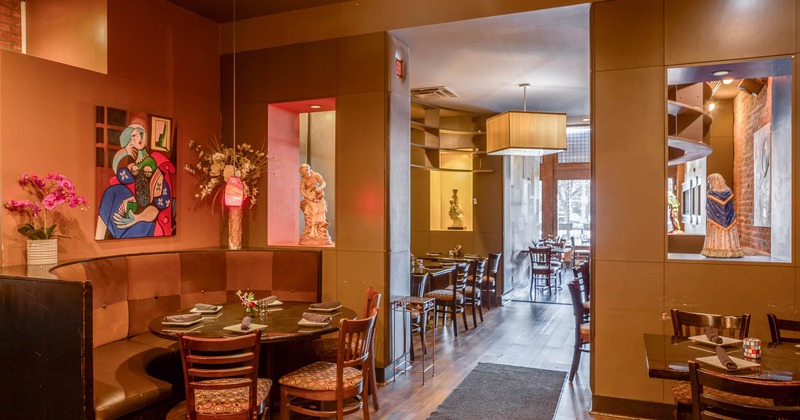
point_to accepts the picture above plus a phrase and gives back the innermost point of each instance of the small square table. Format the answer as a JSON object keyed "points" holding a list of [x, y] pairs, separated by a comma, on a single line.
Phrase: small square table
{"points": [[423, 306]]}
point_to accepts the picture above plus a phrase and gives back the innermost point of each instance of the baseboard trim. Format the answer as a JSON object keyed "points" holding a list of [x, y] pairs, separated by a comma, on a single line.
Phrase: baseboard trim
{"points": [[632, 408]]}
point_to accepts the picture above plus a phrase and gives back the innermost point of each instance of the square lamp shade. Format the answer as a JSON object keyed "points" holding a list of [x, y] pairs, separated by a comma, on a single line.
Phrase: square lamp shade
{"points": [[526, 133]]}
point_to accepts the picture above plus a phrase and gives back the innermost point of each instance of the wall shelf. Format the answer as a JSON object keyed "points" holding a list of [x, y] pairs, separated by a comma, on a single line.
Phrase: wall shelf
{"points": [[688, 124]]}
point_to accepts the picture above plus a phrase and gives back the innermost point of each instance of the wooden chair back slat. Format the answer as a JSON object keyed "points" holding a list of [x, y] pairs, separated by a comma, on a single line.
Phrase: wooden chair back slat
{"points": [[776, 325], [785, 395], [687, 324]]}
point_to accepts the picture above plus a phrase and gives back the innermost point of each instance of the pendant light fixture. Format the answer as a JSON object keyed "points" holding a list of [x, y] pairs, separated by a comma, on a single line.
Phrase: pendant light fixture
{"points": [[526, 133], [234, 189]]}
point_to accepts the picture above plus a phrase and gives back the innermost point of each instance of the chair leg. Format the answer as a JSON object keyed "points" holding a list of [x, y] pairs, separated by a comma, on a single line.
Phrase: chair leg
{"points": [[373, 383], [364, 400], [480, 310], [576, 359], [454, 320], [284, 404], [474, 315]]}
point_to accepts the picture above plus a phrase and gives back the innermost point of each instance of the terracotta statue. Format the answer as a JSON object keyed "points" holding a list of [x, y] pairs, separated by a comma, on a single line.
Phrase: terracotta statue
{"points": [[722, 236], [673, 206], [314, 208]]}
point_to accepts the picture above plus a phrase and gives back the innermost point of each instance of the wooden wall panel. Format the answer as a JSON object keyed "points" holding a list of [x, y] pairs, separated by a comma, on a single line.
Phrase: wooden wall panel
{"points": [[716, 30], [302, 71], [362, 63], [361, 172], [733, 288], [627, 34], [629, 163], [627, 301], [251, 77]]}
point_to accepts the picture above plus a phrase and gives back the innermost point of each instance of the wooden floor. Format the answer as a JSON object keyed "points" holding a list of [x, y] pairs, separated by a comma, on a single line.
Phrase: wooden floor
{"points": [[525, 334]]}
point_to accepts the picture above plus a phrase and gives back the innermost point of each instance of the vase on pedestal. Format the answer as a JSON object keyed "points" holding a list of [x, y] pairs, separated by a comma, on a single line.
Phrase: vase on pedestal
{"points": [[234, 228], [42, 251]]}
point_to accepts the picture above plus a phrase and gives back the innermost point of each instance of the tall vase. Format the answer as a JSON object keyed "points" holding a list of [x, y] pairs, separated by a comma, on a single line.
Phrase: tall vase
{"points": [[42, 251], [234, 228]]}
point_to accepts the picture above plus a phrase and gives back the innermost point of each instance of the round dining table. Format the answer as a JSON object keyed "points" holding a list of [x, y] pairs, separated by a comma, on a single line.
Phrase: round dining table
{"points": [[281, 323]]}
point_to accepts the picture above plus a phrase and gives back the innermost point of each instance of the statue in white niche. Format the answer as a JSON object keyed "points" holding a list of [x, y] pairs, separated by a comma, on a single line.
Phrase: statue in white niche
{"points": [[456, 212], [314, 208]]}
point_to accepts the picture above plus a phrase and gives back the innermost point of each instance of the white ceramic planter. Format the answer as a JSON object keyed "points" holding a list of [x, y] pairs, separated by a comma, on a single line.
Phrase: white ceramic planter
{"points": [[42, 251]]}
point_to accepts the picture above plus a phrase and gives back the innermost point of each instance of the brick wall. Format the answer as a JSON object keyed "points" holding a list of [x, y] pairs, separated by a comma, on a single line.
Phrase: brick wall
{"points": [[10, 27], [750, 114]]}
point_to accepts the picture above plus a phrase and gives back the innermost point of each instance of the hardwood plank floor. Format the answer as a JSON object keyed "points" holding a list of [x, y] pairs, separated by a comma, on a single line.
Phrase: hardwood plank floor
{"points": [[520, 333]]}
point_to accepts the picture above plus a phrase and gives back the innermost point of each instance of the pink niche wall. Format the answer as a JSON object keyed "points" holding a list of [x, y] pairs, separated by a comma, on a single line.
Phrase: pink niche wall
{"points": [[283, 205]]}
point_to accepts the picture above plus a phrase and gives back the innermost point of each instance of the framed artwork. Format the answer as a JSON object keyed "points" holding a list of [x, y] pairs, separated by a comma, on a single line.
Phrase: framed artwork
{"points": [[134, 185], [161, 135], [762, 156]]}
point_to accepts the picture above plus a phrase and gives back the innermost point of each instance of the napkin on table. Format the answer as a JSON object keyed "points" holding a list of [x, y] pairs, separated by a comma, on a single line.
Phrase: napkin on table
{"points": [[725, 360], [269, 299], [205, 307], [316, 318], [326, 305], [246, 323], [712, 335], [182, 318]]}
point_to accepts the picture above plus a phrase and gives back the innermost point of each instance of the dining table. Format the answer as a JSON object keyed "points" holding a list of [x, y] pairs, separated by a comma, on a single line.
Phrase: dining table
{"points": [[281, 323], [667, 358]]}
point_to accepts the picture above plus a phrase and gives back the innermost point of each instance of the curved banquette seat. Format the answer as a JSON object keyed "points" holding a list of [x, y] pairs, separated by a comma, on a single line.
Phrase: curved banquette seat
{"points": [[133, 370]]}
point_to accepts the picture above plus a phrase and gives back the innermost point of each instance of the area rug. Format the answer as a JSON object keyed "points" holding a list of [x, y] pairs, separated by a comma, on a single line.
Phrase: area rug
{"points": [[503, 392]]}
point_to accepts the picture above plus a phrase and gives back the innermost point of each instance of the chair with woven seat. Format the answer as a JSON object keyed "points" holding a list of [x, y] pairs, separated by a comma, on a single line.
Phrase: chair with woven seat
{"points": [[221, 377], [451, 300], [687, 324], [473, 290], [542, 269], [334, 382], [490, 283], [582, 328], [776, 325], [719, 396], [325, 349]]}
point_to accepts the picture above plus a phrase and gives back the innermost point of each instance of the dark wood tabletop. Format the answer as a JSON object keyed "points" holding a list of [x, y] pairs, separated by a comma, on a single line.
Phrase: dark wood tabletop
{"points": [[281, 323], [668, 356]]}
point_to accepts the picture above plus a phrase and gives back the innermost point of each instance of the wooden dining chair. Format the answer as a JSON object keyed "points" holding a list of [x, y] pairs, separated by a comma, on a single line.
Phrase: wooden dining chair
{"points": [[542, 269], [579, 254], [221, 377], [419, 281], [451, 301], [720, 396], [581, 274], [473, 290], [326, 348], [776, 325], [335, 382], [688, 324], [582, 328], [490, 283]]}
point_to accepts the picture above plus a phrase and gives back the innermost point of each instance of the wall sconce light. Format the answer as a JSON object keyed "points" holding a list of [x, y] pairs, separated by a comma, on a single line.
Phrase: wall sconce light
{"points": [[526, 133]]}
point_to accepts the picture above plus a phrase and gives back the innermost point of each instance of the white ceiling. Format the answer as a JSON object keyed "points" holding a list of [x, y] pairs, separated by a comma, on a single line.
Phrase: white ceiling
{"points": [[485, 60]]}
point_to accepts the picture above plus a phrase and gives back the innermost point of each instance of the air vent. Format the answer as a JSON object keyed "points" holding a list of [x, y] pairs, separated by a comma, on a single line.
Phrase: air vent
{"points": [[435, 91]]}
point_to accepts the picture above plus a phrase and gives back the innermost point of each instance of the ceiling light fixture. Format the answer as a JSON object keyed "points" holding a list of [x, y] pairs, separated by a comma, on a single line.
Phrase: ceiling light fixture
{"points": [[315, 106], [524, 133], [727, 81], [720, 73], [711, 106], [234, 190], [585, 120]]}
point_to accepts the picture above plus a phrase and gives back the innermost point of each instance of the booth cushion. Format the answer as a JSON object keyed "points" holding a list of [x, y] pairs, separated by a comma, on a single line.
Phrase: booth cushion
{"points": [[121, 382]]}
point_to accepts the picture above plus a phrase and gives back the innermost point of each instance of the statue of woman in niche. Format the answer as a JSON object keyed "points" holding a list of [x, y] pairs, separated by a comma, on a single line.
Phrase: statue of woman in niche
{"points": [[722, 236], [456, 213], [314, 208]]}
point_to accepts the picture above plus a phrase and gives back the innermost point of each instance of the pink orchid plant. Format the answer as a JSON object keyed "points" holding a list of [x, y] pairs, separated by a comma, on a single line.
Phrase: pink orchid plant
{"points": [[48, 193]]}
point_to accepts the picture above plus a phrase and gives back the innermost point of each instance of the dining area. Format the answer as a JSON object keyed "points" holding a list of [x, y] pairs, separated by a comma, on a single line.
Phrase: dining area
{"points": [[722, 370]]}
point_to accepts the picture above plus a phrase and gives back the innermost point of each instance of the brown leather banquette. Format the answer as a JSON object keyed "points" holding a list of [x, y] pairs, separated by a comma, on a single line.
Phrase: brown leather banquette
{"points": [[133, 369]]}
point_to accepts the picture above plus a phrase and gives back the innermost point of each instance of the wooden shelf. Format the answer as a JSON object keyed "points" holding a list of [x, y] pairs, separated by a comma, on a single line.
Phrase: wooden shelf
{"points": [[679, 108], [460, 132], [692, 149], [688, 124], [433, 168]]}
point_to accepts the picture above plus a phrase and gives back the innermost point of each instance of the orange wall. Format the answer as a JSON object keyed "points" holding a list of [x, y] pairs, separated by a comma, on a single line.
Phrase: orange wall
{"points": [[161, 59]]}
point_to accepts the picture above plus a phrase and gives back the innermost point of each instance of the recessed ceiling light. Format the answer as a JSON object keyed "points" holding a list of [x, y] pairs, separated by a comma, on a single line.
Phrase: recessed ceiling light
{"points": [[720, 73], [711, 106], [585, 120], [315, 106], [727, 81]]}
